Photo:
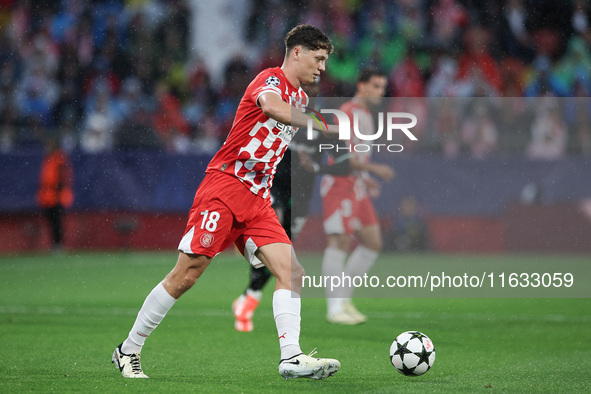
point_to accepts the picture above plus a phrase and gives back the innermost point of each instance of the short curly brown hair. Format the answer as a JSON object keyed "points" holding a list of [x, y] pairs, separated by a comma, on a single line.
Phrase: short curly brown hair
{"points": [[309, 37]]}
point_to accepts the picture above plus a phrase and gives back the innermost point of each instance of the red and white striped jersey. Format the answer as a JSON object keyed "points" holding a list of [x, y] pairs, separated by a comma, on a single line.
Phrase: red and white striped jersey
{"points": [[256, 143], [334, 186]]}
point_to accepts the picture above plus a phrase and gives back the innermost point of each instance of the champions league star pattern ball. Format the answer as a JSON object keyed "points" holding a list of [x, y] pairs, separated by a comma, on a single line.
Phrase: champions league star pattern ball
{"points": [[412, 353]]}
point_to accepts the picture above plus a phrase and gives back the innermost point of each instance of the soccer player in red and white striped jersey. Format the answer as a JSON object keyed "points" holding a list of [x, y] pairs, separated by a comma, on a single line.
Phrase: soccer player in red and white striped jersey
{"points": [[347, 207], [232, 205]]}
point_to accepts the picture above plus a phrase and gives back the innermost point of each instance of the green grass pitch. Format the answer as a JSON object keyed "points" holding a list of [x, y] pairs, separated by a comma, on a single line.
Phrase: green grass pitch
{"points": [[62, 316]]}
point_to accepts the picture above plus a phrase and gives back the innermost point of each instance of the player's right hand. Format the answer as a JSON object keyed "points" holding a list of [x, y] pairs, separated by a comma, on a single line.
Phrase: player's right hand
{"points": [[383, 171]]}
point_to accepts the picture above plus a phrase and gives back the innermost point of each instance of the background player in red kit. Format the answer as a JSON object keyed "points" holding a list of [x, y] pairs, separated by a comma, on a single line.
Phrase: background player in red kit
{"points": [[347, 206], [232, 204]]}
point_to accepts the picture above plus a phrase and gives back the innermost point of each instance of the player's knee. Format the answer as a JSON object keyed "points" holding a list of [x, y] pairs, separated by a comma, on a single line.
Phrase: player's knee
{"points": [[373, 243], [290, 277], [339, 241], [296, 271], [186, 272], [184, 285], [297, 275], [182, 282], [377, 246]]}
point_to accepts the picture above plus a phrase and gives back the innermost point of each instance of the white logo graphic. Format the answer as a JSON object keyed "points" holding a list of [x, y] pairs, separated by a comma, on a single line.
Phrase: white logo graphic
{"points": [[345, 126], [272, 81]]}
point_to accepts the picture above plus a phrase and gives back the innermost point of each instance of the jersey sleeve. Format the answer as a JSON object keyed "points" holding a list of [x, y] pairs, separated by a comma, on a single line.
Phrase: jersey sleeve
{"points": [[266, 82]]}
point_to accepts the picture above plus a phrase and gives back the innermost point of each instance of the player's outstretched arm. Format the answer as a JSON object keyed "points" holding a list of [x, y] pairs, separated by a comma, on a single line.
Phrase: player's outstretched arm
{"points": [[274, 107]]}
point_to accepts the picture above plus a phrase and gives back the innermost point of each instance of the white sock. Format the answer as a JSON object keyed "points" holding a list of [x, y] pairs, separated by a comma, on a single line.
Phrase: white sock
{"points": [[287, 312], [358, 264], [155, 307], [333, 265]]}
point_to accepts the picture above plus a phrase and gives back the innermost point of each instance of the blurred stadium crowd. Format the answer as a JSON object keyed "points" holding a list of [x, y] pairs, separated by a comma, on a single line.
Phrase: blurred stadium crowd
{"points": [[121, 74]]}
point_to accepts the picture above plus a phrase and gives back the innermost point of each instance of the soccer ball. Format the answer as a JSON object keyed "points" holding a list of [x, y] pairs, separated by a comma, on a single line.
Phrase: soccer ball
{"points": [[412, 353]]}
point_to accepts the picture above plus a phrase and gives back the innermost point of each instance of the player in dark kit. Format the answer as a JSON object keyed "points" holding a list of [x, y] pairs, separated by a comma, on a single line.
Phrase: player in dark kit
{"points": [[233, 204]]}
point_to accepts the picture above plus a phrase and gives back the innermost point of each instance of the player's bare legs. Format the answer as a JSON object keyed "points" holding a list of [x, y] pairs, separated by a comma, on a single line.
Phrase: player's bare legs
{"points": [[183, 276], [245, 305], [281, 260], [370, 237], [339, 241]]}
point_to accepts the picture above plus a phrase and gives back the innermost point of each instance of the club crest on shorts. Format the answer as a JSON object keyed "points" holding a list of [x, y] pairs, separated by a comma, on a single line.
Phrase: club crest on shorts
{"points": [[206, 240]]}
